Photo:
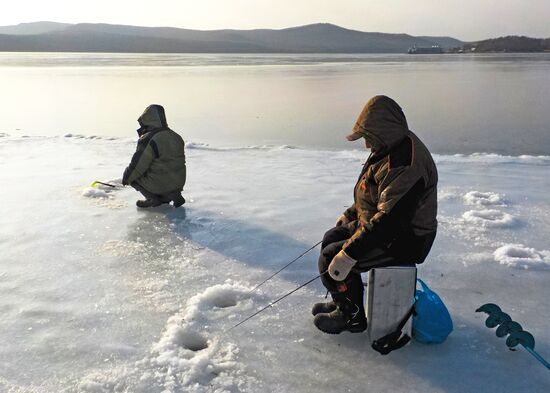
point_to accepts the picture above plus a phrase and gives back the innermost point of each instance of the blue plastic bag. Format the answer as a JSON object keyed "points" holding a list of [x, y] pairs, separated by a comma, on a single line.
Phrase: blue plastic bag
{"points": [[432, 322]]}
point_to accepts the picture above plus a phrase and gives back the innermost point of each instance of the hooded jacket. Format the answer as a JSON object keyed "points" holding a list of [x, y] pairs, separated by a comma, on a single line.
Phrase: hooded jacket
{"points": [[158, 164], [395, 198]]}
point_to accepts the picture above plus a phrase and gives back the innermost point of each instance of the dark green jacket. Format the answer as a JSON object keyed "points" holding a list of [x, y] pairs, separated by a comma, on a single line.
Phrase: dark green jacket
{"points": [[158, 164], [395, 198]]}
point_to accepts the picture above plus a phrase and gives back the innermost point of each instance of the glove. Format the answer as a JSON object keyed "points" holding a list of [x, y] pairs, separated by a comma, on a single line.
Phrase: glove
{"points": [[340, 266], [342, 220]]}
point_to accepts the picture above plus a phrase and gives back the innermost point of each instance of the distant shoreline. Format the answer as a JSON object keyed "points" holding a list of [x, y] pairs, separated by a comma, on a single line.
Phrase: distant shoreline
{"points": [[317, 38], [445, 54]]}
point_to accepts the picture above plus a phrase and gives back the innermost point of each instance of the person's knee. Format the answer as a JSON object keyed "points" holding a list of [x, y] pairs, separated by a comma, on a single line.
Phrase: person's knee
{"points": [[323, 263], [327, 254], [335, 234], [327, 236]]}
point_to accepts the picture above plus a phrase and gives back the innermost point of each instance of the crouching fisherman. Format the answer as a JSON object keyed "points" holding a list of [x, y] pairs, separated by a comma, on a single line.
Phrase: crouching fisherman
{"points": [[157, 169], [392, 221]]}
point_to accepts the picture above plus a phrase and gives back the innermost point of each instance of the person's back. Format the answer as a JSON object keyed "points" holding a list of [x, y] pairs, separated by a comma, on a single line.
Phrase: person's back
{"points": [[158, 168]]}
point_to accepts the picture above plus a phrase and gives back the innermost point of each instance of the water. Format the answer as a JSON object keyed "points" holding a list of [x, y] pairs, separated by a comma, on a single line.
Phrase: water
{"points": [[456, 103]]}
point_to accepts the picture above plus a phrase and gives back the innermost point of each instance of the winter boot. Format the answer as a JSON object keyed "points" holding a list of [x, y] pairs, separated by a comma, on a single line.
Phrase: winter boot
{"points": [[323, 308], [145, 203], [178, 200], [346, 317]]}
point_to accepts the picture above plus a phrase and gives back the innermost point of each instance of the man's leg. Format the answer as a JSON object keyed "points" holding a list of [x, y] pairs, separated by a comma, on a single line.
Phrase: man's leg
{"points": [[333, 240], [348, 295], [332, 236], [348, 312]]}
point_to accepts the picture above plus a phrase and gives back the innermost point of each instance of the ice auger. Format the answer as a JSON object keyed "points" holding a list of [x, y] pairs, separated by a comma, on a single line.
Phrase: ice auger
{"points": [[514, 331]]}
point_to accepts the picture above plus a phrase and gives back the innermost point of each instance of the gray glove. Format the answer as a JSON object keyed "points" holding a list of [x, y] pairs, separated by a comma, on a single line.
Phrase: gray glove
{"points": [[340, 266]]}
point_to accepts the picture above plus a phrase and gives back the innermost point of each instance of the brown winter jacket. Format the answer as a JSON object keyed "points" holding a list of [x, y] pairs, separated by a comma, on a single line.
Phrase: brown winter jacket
{"points": [[395, 198]]}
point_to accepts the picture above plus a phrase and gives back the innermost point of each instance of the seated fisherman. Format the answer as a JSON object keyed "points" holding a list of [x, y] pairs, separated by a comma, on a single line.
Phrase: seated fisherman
{"points": [[157, 169], [392, 221]]}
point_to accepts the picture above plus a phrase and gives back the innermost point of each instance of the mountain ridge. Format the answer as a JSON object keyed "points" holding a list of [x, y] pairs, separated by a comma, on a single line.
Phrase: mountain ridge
{"points": [[102, 37]]}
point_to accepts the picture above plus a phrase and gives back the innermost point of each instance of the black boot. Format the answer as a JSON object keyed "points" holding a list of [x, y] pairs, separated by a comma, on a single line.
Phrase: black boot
{"points": [[178, 200], [323, 308], [144, 203], [347, 316]]}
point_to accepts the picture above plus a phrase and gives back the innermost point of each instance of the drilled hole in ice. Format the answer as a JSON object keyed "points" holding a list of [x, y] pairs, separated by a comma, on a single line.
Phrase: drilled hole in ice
{"points": [[225, 302], [224, 298], [192, 341], [520, 253]]}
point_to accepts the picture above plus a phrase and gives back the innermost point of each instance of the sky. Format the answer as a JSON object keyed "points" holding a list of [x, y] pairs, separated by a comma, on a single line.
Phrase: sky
{"points": [[464, 19]]}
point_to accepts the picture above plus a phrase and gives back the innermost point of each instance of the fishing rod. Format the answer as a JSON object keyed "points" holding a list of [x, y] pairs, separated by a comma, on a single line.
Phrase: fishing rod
{"points": [[284, 267], [275, 302]]}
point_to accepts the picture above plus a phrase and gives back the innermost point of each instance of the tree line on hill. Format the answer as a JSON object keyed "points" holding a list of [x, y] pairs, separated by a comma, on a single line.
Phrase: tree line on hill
{"points": [[509, 44]]}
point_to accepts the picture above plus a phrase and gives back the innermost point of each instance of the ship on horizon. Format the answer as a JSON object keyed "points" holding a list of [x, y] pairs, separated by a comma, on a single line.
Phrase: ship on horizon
{"points": [[424, 50]]}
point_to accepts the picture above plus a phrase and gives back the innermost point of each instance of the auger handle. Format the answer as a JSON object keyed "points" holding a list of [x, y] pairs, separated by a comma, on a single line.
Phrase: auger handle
{"points": [[537, 356]]}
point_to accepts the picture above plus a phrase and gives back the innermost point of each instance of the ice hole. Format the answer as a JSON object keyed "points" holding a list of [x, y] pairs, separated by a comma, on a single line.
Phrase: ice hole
{"points": [[225, 302], [520, 253], [223, 297], [192, 340]]}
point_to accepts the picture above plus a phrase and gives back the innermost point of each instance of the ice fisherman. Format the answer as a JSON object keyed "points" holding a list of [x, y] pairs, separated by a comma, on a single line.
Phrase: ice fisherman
{"points": [[157, 168], [392, 221]]}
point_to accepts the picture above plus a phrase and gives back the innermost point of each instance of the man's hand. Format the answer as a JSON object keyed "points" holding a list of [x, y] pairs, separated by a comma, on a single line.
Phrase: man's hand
{"points": [[342, 220], [340, 266]]}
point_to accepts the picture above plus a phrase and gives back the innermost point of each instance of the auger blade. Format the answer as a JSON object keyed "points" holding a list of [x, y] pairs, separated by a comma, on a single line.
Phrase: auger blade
{"points": [[508, 327], [489, 308], [524, 338], [496, 319]]}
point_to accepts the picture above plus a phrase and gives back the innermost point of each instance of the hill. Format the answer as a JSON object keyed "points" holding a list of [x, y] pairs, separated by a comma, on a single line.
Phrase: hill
{"points": [[33, 28], [507, 44], [315, 38]]}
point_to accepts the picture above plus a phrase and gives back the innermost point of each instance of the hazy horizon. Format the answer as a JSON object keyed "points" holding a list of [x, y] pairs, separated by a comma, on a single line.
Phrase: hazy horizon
{"points": [[394, 16]]}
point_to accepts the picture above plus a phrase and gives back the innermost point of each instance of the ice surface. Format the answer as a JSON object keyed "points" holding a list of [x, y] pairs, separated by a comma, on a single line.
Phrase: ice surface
{"points": [[98, 296]]}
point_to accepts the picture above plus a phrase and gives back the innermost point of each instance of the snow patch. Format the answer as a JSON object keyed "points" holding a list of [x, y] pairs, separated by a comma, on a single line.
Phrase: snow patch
{"points": [[208, 147], [218, 297], [492, 159], [489, 218], [520, 256], [187, 358], [91, 192], [104, 194], [81, 136], [479, 198], [447, 194]]}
